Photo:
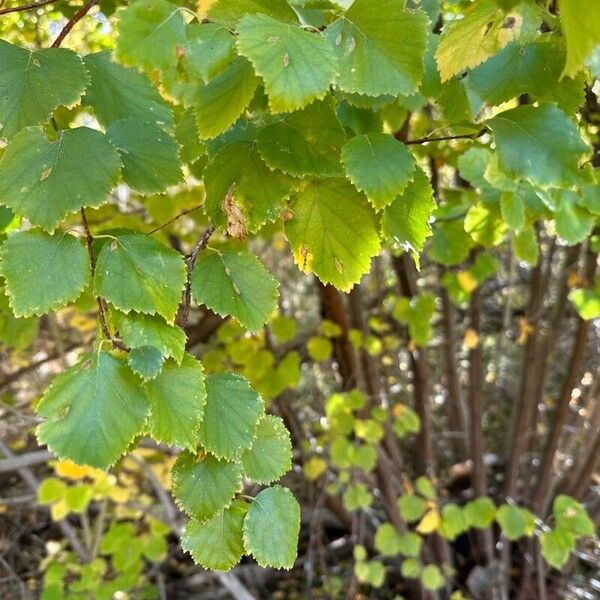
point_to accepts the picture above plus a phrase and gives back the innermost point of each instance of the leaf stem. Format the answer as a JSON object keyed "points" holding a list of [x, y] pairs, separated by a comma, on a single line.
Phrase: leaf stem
{"points": [[101, 308], [466, 136], [184, 313]]}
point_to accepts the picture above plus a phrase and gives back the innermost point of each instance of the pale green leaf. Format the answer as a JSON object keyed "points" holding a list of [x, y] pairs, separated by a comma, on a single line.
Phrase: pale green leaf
{"points": [[29, 88], [271, 528], [513, 210], [218, 543], [515, 522], [139, 330], [135, 272], [42, 272], [411, 507], [540, 144], [573, 223], [116, 92], [254, 193], [270, 456], [406, 219], [450, 244], [220, 102], [580, 22], [146, 361], [571, 516], [177, 397], [379, 166], [150, 34], [305, 143], [557, 544], [432, 578], [236, 284], [93, 411], [45, 180], [586, 302], [387, 540], [229, 12], [209, 49], [380, 47], [333, 232], [150, 155], [480, 512], [467, 42], [231, 415], [204, 486], [297, 66]]}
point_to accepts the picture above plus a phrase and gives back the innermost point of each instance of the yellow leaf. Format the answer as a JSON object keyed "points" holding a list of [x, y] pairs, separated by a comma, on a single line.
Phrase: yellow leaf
{"points": [[466, 281], [471, 339], [525, 330], [59, 510], [203, 6], [430, 522], [71, 470], [119, 494], [315, 467]]}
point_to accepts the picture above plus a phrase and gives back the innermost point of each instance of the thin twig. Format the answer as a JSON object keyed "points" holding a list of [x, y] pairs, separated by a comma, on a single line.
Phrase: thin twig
{"points": [[101, 309], [466, 136], [184, 312], [32, 6], [72, 22], [22, 461], [187, 211]]}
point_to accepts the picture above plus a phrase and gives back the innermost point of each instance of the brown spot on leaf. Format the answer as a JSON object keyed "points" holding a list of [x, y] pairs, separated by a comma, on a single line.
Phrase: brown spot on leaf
{"points": [[236, 223]]}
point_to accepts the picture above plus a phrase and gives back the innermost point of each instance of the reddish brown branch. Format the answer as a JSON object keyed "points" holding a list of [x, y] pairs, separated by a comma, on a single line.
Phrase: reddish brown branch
{"points": [[24, 7], [72, 22]]}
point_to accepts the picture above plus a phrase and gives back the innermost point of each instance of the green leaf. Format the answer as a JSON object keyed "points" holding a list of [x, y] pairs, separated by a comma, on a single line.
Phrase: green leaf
{"points": [[135, 272], [116, 92], [203, 487], [540, 144], [333, 232], [209, 49], [573, 223], [406, 219], [557, 545], [28, 85], [410, 544], [571, 516], [218, 543], [319, 348], [513, 210], [432, 578], [526, 246], [296, 66], [270, 456], [515, 522], [532, 68], [305, 143], [411, 507], [219, 103], [271, 528], [50, 490], [425, 487], [371, 573], [454, 522], [231, 415], [467, 42], [150, 155], [411, 568], [229, 12], [587, 302], [150, 34], [146, 361], [93, 411], [177, 397], [379, 166], [450, 243], [581, 28], [236, 284], [237, 179], [480, 512], [33, 172], [139, 330], [386, 540], [42, 272], [380, 47]]}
